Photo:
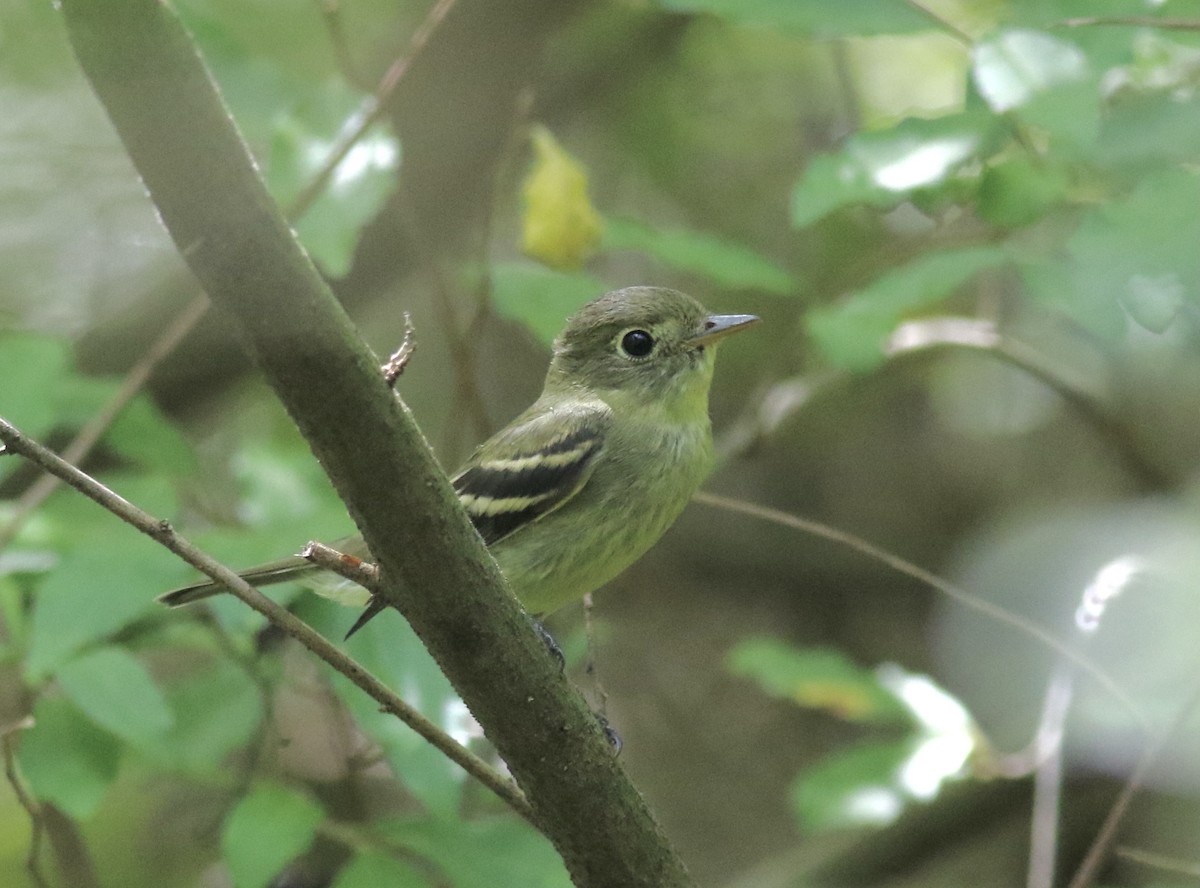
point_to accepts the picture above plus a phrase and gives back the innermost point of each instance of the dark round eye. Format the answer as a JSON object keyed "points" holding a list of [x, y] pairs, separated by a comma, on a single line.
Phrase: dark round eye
{"points": [[637, 343]]}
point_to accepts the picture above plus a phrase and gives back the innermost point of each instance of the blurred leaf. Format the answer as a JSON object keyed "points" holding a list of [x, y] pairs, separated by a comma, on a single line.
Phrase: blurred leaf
{"points": [[818, 678], [267, 828], [143, 434], [28, 364], [883, 168], [388, 648], [852, 788], [114, 689], [214, 711], [66, 759], [374, 869], [1141, 251], [726, 264], [1014, 66], [1017, 192], [540, 298], [1145, 133], [852, 333], [560, 226], [483, 853], [107, 573], [812, 17], [302, 140]]}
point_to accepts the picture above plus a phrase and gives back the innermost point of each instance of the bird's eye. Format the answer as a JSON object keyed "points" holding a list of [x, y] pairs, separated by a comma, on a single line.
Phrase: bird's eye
{"points": [[637, 343]]}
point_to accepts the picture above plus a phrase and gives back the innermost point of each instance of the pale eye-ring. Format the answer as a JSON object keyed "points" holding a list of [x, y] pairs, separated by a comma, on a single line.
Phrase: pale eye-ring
{"points": [[637, 343]]}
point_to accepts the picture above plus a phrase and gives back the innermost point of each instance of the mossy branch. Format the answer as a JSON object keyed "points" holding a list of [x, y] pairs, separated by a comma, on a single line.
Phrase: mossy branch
{"points": [[147, 72]]}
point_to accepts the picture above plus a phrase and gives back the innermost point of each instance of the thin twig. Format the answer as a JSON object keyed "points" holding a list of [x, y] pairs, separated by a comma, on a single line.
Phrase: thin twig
{"points": [[161, 531], [331, 14], [354, 569], [25, 800], [1108, 831], [1159, 861], [932, 580], [1132, 21], [400, 357], [945, 24], [1047, 778], [372, 108]]}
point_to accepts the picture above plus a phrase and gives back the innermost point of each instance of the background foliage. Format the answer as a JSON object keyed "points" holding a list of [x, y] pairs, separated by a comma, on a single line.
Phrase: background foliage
{"points": [[972, 229]]}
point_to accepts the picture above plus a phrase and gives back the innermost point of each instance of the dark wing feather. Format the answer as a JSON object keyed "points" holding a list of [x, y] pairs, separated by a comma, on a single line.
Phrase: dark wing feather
{"points": [[530, 469]]}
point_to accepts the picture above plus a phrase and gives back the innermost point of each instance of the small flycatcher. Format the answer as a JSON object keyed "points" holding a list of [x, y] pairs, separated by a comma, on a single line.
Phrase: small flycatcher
{"points": [[580, 485]]}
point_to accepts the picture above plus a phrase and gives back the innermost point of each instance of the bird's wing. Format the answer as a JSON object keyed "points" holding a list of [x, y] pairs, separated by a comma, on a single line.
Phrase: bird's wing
{"points": [[531, 468]]}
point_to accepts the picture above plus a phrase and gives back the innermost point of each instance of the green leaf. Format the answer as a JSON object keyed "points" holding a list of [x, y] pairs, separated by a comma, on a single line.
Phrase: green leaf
{"points": [[114, 690], [1016, 192], [28, 364], [853, 788], [108, 576], [1014, 66], [852, 334], [812, 17], [213, 712], [883, 168], [1141, 251], [726, 264], [265, 830], [483, 853], [303, 136], [374, 869], [66, 759], [388, 648], [539, 298], [1144, 134], [142, 433], [816, 677]]}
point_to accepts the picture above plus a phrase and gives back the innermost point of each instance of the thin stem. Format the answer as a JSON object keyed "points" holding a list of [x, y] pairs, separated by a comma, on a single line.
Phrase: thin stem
{"points": [[932, 580], [372, 108], [1132, 21], [1108, 831], [1047, 778], [26, 801], [280, 617], [945, 24]]}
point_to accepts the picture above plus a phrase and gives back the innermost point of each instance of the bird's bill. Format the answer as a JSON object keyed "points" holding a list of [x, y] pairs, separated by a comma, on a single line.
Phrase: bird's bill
{"points": [[719, 326]]}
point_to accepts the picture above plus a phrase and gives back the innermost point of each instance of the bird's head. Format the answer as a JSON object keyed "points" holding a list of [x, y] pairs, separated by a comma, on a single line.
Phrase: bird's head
{"points": [[649, 345]]}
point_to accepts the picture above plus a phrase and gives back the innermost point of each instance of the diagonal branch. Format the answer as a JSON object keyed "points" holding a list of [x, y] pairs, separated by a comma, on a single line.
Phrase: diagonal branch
{"points": [[15, 442], [198, 172]]}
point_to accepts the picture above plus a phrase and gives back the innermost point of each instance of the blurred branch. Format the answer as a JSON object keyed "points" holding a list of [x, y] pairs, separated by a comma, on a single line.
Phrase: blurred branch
{"points": [[972, 334], [162, 533], [927, 335], [873, 552], [942, 22], [26, 801], [435, 569], [1107, 834], [1132, 21], [371, 109], [1190, 868]]}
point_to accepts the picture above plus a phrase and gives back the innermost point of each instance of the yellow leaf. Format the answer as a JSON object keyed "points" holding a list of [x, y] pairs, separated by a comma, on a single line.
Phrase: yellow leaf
{"points": [[840, 698], [561, 227]]}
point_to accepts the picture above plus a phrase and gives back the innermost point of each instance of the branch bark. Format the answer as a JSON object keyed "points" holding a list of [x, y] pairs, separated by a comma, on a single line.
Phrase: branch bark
{"points": [[163, 104]]}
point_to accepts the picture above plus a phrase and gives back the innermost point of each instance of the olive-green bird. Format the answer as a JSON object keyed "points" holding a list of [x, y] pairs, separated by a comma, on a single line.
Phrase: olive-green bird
{"points": [[581, 484]]}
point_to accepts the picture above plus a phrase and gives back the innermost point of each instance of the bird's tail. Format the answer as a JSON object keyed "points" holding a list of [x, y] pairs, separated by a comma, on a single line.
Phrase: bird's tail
{"points": [[264, 575]]}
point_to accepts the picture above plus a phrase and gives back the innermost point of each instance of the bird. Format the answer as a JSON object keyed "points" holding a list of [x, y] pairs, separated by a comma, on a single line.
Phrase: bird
{"points": [[588, 478]]}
